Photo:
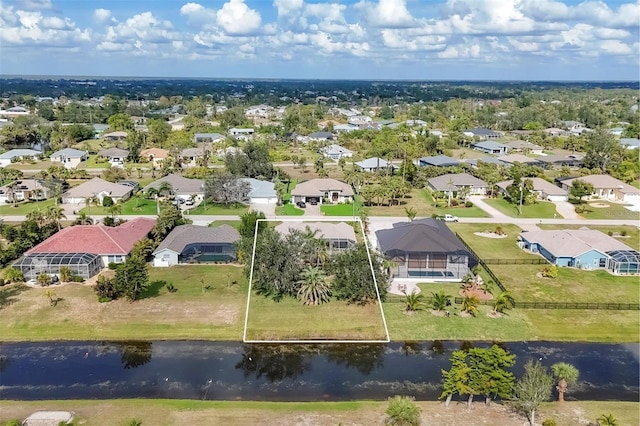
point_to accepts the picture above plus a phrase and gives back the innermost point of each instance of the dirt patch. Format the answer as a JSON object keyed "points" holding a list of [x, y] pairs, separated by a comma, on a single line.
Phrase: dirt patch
{"points": [[599, 205], [493, 314], [490, 235], [479, 293]]}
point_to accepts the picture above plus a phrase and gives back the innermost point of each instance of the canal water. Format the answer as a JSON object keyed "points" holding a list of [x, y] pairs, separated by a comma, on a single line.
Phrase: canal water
{"points": [[235, 371]]}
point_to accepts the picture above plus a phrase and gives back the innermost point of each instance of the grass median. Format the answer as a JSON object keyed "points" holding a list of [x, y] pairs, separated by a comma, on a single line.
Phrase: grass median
{"points": [[231, 413]]}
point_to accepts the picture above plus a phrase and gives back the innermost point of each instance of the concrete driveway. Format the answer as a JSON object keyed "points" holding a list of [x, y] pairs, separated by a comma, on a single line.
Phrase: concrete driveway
{"points": [[269, 210], [477, 200], [312, 210], [566, 210]]}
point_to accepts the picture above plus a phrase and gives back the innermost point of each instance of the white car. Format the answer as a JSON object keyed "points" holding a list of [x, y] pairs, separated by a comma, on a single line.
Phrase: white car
{"points": [[449, 218]]}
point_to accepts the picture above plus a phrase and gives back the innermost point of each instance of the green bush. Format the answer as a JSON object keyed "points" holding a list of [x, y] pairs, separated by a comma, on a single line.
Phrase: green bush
{"points": [[550, 271], [402, 411], [549, 422], [171, 288], [13, 423], [610, 233], [468, 204], [623, 232], [77, 279], [107, 201], [2, 282]]}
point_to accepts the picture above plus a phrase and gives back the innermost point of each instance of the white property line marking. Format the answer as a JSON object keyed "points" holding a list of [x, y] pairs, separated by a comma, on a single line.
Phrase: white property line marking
{"points": [[302, 341]]}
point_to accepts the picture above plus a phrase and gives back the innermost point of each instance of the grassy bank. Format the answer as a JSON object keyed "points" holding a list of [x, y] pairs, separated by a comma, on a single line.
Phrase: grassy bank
{"points": [[205, 413]]}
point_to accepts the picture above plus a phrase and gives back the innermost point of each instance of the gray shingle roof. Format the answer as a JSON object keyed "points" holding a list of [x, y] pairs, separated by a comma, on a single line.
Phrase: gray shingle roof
{"points": [[573, 242], [180, 185], [325, 230], [490, 145], [439, 160], [539, 185], [260, 188], [317, 187], [97, 186], [183, 235], [441, 183], [113, 153], [69, 153], [13, 153], [419, 236]]}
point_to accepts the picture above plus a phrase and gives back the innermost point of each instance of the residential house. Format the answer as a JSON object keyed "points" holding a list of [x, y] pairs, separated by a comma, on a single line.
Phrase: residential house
{"points": [[375, 164], [572, 125], [452, 184], [336, 152], [319, 137], [115, 156], [261, 191], [115, 136], [154, 155], [554, 132], [192, 157], [545, 190], [241, 133], [630, 143], [15, 111], [491, 147], [230, 150], [524, 147], [438, 161], [473, 162], [182, 187], [208, 138], [22, 190], [98, 188], [616, 131], [69, 157], [438, 133], [99, 129], [511, 159], [345, 128], [85, 249], [329, 191], [197, 244], [558, 160], [607, 188], [582, 248], [338, 236], [15, 155], [482, 134], [425, 249]]}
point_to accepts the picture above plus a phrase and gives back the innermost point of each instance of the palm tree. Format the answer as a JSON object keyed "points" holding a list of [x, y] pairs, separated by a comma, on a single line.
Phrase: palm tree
{"points": [[35, 215], [53, 299], [114, 210], [470, 305], [503, 301], [607, 420], [165, 189], [314, 289], [65, 274], [566, 374], [55, 214], [440, 300], [402, 411], [83, 219], [411, 213], [413, 301], [91, 201]]}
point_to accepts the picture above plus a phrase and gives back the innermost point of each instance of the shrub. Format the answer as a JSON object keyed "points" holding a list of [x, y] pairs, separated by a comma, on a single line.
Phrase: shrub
{"points": [[435, 216], [171, 288], [14, 275], [499, 230], [610, 233], [44, 279], [468, 204], [106, 288], [623, 232], [550, 272], [113, 266], [13, 423], [2, 282], [549, 422], [77, 279], [107, 201], [402, 411], [454, 202]]}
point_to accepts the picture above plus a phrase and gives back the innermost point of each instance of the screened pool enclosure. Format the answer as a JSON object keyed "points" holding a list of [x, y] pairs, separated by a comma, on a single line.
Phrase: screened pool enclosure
{"points": [[85, 265], [624, 262]]}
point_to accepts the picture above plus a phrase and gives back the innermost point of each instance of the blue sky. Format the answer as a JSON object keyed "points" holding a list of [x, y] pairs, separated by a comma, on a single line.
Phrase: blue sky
{"points": [[348, 39]]}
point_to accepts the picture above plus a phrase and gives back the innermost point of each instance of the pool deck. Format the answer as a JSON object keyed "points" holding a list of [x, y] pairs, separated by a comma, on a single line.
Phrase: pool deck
{"points": [[401, 285]]}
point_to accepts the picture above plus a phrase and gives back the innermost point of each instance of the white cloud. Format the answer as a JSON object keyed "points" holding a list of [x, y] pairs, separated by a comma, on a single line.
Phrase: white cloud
{"points": [[198, 15], [615, 47], [33, 4], [288, 7], [387, 13], [237, 19], [101, 15]]}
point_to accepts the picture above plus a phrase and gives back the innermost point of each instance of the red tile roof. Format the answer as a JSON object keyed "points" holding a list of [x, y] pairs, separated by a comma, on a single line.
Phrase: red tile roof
{"points": [[96, 239]]}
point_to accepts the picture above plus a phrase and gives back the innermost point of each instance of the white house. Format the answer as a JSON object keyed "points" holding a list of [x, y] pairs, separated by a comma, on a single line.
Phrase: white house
{"points": [[606, 187], [544, 190], [453, 183], [15, 155], [69, 157], [116, 156], [320, 190], [99, 188], [261, 191], [336, 152], [374, 164]]}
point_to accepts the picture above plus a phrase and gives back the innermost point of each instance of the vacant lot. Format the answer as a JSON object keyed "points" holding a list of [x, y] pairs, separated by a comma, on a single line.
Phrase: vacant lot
{"points": [[231, 413], [614, 211], [541, 209], [421, 201], [291, 320], [218, 209], [208, 305]]}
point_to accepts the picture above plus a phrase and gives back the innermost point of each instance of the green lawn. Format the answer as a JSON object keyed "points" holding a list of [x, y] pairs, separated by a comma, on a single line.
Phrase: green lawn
{"points": [[541, 209], [216, 313], [352, 209], [614, 211], [25, 207], [289, 319], [492, 248], [233, 223], [170, 412], [422, 202], [583, 325], [133, 206], [219, 210], [288, 210], [92, 164]]}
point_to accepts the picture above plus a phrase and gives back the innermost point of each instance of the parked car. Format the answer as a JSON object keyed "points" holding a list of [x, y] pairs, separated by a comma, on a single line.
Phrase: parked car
{"points": [[313, 202], [448, 218], [189, 202], [301, 204]]}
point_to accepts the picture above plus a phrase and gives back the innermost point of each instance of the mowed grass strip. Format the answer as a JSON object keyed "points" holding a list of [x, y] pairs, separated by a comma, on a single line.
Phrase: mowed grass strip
{"points": [[207, 306], [169, 412], [289, 319], [492, 248]]}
